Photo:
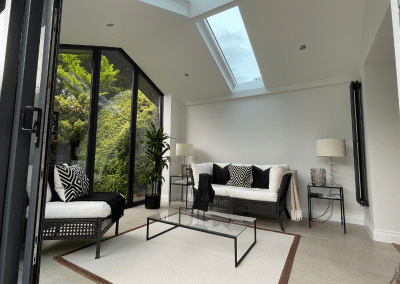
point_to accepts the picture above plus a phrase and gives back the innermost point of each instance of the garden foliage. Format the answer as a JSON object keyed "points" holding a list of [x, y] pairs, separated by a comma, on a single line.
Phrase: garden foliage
{"points": [[72, 101]]}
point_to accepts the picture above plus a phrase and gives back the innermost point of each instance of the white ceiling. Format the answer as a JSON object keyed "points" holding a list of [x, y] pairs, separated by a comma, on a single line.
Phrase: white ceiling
{"points": [[167, 45]]}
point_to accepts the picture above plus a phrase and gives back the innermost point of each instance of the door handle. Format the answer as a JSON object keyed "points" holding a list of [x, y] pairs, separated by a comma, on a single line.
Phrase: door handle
{"points": [[36, 125]]}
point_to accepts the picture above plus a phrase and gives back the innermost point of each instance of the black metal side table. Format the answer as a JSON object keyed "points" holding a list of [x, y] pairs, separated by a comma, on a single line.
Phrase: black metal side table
{"points": [[182, 182], [339, 197]]}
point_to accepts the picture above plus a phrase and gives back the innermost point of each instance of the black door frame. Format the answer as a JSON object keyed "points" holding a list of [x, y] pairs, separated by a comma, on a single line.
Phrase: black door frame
{"points": [[17, 92]]}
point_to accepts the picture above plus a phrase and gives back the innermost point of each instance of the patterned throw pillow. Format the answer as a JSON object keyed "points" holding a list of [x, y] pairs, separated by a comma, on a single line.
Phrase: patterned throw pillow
{"points": [[74, 180], [239, 176]]}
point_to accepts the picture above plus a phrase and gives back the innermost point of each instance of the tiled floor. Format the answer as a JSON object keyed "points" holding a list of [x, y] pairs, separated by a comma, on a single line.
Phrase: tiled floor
{"points": [[324, 255]]}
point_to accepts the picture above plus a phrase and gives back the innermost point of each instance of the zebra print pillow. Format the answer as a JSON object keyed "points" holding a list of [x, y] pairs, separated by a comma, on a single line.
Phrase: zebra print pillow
{"points": [[74, 180], [239, 175]]}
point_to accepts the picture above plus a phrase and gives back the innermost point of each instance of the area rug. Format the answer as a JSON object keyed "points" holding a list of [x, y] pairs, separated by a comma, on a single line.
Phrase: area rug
{"points": [[185, 256]]}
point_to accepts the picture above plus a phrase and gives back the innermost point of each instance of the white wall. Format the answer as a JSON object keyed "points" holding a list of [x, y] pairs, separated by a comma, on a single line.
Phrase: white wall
{"points": [[383, 124], [375, 11], [171, 117], [276, 129], [382, 133]]}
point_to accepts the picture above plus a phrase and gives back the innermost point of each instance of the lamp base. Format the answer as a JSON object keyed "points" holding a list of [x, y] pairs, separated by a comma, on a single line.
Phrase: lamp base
{"points": [[185, 170]]}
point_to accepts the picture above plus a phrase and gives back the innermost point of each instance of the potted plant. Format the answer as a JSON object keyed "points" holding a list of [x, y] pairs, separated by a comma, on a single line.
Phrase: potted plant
{"points": [[155, 147]]}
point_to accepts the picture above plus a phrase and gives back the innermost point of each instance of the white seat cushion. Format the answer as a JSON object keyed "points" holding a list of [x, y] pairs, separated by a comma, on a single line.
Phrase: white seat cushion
{"points": [[222, 189], [258, 194], [78, 209]]}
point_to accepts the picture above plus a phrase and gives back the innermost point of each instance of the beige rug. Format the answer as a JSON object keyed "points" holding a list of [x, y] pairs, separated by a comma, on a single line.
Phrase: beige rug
{"points": [[186, 256]]}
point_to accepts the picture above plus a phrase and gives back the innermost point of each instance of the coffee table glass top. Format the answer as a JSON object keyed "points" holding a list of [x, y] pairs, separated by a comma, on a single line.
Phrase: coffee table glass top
{"points": [[217, 222]]}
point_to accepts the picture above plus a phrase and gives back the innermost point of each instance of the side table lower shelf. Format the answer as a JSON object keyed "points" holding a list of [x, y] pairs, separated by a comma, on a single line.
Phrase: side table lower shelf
{"points": [[340, 197], [184, 181]]}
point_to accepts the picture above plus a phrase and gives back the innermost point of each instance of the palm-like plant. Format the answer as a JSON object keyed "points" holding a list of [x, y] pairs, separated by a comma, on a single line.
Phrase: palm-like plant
{"points": [[156, 147]]}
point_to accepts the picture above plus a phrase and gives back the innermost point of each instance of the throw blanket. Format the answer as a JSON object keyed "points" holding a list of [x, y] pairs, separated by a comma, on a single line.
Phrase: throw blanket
{"points": [[205, 194], [115, 200], [294, 198]]}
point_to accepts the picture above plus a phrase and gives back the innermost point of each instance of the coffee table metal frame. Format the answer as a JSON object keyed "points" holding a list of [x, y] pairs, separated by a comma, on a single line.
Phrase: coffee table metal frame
{"points": [[175, 225]]}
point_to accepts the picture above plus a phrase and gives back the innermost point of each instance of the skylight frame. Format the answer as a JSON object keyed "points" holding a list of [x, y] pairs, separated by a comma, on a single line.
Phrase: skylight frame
{"points": [[243, 89]]}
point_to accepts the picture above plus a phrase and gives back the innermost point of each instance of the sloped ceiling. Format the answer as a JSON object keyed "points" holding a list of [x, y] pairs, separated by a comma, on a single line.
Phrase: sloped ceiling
{"points": [[167, 45]]}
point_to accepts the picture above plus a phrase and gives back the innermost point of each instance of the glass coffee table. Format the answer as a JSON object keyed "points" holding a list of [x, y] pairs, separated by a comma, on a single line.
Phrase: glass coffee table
{"points": [[208, 222]]}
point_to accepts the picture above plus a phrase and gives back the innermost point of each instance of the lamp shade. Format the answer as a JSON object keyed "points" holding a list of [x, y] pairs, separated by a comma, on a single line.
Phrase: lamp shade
{"points": [[331, 148], [183, 149]]}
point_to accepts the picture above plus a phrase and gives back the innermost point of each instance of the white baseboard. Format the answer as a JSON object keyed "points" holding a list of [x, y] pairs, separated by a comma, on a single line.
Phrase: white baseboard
{"points": [[384, 236], [369, 227], [164, 197], [349, 218]]}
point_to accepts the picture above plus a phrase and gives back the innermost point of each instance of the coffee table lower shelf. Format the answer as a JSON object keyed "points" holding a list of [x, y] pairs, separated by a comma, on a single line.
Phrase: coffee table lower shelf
{"points": [[157, 218]]}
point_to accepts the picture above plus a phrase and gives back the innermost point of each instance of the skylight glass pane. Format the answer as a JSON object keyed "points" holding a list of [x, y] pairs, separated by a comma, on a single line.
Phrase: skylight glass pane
{"points": [[231, 35]]}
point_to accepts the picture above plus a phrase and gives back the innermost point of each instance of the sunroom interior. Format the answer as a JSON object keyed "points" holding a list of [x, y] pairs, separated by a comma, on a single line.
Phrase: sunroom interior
{"points": [[161, 62]]}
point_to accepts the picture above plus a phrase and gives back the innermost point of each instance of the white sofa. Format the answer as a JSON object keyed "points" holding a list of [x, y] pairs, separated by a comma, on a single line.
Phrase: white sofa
{"points": [[270, 201]]}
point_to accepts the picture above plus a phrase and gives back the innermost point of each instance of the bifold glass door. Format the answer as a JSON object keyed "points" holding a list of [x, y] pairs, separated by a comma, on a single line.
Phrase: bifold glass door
{"points": [[30, 46]]}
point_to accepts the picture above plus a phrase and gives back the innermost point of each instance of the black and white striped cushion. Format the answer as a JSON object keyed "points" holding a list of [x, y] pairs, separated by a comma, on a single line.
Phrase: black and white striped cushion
{"points": [[74, 180], [239, 175]]}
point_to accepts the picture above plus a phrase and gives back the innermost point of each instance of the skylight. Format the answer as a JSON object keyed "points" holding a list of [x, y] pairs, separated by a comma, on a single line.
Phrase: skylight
{"points": [[231, 36]]}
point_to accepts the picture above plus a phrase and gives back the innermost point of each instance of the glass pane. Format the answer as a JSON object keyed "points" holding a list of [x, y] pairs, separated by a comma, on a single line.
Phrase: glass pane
{"points": [[71, 104], [148, 111], [231, 36], [113, 124]]}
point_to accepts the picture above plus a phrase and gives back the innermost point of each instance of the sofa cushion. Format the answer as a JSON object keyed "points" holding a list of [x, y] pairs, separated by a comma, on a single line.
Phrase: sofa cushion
{"points": [[205, 168], [239, 176], [260, 178], [222, 189], [275, 176], [220, 175], [79, 209], [258, 194], [74, 181]]}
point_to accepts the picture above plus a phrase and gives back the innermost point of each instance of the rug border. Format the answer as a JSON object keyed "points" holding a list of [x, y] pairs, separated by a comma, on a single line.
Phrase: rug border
{"points": [[396, 246], [284, 279]]}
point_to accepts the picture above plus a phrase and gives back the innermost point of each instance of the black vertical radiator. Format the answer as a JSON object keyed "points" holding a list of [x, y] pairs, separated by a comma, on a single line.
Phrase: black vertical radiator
{"points": [[358, 143]]}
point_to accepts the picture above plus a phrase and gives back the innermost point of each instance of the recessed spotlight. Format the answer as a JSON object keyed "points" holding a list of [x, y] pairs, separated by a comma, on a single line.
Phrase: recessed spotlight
{"points": [[186, 74], [110, 25], [302, 47]]}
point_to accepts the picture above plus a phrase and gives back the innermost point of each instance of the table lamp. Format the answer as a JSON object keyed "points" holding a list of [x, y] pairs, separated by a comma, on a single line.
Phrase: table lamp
{"points": [[331, 148], [185, 150]]}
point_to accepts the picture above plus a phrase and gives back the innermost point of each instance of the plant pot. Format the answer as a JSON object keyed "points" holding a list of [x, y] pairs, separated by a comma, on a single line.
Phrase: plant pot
{"points": [[152, 201]]}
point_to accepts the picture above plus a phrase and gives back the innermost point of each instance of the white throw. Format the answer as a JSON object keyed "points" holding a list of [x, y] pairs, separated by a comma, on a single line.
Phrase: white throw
{"points": [[294, 198]]}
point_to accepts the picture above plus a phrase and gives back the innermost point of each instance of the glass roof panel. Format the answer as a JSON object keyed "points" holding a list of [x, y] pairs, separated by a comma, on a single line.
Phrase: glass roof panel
{"points": [[231, 35]]}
